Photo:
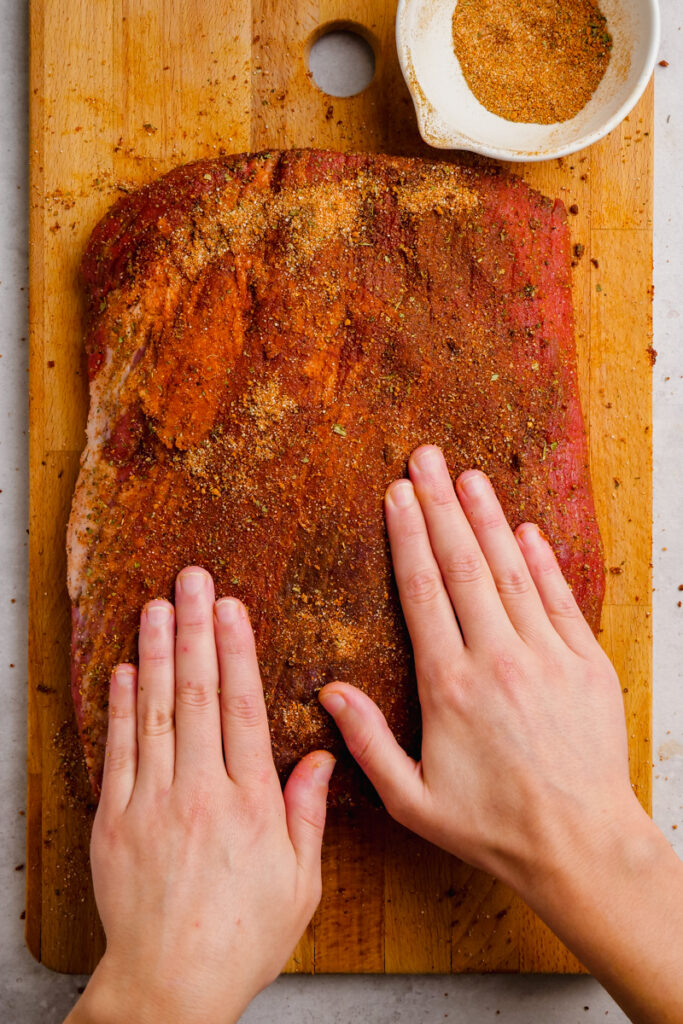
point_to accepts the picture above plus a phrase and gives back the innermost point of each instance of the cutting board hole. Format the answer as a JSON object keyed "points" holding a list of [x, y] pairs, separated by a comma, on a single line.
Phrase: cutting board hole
{"points": [[341, 59]]}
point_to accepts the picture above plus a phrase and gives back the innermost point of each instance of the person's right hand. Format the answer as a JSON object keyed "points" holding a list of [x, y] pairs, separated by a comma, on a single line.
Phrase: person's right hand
{"points": [[523, 722], [524, 768]]}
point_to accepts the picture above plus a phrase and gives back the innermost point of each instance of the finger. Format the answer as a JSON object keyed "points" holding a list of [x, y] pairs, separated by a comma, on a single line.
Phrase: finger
{"points": [[510, 572], [121, 755], [244, 721], [156, 736], [197, 713], [463, 567], [426, 606], [305, 798], [396, 777], [559, 602]]}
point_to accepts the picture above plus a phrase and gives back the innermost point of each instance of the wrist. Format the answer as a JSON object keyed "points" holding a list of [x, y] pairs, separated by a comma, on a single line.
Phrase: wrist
{"points": [[587, 882], [615, 898], [107, 1001], [585, 855], [99, 1004], [116, 996]]}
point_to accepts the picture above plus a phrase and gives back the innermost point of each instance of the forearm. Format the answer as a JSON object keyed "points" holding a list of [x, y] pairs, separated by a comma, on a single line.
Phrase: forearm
{"points": [[617, 901]]}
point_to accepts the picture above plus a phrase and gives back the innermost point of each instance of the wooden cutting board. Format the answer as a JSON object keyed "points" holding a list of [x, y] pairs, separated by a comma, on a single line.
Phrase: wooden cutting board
{"points": [[122, 90]]}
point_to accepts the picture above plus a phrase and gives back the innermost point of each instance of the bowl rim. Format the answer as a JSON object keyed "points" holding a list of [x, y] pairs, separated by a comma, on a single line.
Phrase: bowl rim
{"points": [[461, 141]]}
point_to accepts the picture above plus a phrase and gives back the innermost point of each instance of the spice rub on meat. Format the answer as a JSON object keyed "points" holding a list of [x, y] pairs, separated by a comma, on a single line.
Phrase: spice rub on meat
{"points": [[268, 338]]}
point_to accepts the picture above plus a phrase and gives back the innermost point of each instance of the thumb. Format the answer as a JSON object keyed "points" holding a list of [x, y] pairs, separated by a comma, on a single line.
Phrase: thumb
{"points": [[396, 777], [305, 797]]}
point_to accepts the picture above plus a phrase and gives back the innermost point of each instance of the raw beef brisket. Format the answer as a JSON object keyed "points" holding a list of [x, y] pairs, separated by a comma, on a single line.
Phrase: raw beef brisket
{"points": [[268, 339]]}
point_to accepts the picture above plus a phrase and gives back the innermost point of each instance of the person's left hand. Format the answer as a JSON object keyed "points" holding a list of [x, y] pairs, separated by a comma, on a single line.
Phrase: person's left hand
{"points": [[205, 873]]}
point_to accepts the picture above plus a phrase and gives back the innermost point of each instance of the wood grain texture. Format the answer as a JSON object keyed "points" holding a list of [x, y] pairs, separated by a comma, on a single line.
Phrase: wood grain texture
{"points": [[120, 92]]}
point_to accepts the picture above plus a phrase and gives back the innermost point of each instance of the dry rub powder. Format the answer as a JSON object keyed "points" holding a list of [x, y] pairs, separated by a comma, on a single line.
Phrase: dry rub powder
{"points": [[532, 60]]}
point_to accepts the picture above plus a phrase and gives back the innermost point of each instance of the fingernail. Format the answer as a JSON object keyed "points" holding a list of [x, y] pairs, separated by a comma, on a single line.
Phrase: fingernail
{"points": [[157, 614], [528, 533], [428, 458], [402, 494], [475, 485], [192, 582], [333, 702], [323, 769], [124, 675], [227, 610]]}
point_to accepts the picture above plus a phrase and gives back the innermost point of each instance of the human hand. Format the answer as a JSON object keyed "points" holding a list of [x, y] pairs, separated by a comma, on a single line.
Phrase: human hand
{"points": [[524, 741], [205, 873], [524, 768]]}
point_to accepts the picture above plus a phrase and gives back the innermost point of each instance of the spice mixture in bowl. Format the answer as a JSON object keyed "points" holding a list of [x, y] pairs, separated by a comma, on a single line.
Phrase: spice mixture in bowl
{"points": [[524, 79], [537, 61]]}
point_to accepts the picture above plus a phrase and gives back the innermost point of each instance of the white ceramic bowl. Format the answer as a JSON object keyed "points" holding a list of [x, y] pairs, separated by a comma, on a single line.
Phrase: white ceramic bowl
{"points": [[450, 117]]}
